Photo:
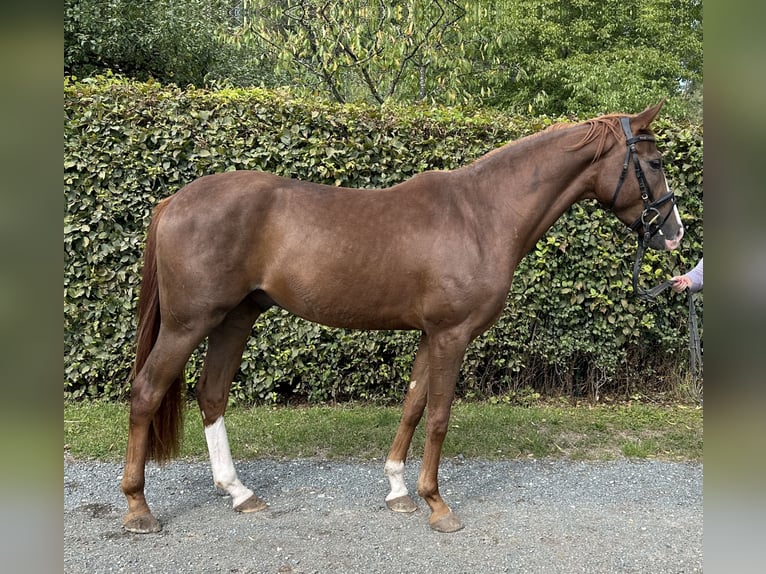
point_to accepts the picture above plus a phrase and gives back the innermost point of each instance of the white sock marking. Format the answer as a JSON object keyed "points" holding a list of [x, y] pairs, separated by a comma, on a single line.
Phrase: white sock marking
{"points": [[224, 474], [395, 473]]}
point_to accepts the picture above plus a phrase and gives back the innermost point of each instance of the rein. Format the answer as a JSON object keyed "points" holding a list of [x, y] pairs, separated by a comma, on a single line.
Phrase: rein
{"points": [[645, 294]]}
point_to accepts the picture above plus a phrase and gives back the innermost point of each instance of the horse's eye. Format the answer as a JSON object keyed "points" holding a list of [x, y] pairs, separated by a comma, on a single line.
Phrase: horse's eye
{"points": [[656, 164]]}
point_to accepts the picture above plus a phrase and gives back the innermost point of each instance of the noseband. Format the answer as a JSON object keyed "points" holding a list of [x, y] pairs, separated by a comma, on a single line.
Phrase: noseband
{"points": [[650, 222]]}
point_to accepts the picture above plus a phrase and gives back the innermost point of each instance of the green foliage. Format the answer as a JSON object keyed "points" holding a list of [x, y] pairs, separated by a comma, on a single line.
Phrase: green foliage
{"points": [[526, 56], [598, 56], [570, 325], [553, 57], [169, 41]]}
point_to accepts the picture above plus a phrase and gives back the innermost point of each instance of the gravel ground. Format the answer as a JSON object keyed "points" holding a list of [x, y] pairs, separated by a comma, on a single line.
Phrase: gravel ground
{"points": [[329, 516]]}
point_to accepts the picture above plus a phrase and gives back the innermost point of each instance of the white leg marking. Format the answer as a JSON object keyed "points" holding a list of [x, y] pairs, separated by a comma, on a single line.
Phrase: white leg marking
{"points": [[395, 473], [413, 384], [224, 474]]}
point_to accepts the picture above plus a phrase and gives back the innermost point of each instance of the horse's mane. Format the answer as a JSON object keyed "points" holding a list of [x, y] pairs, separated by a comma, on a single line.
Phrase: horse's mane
{"points": [[598, 129]]}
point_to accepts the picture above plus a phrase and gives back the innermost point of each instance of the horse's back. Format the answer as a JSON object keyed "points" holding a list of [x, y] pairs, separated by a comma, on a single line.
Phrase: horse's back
{"points": [[247, 202]]}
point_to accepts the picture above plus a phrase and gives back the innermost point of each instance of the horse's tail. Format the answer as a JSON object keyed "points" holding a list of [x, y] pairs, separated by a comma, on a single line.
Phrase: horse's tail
{"points": [[165, 428]]}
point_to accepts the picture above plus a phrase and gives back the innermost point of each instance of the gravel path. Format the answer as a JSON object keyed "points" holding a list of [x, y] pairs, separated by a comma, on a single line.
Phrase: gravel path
{"points": [[526, 516]]}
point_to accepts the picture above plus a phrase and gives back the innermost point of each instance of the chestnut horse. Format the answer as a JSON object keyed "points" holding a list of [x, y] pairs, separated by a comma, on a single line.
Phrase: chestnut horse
{"points": [[436, 253]]}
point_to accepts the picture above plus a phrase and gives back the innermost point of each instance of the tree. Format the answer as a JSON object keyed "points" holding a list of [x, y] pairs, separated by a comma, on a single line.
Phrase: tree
{"points": [[166, 40], [357, 50], [596, 56], [557, 57], [548, 56]]}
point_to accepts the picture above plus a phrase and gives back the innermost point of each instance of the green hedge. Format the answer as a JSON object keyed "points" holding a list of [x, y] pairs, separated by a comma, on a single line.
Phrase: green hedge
{"points": [[570, 326]]}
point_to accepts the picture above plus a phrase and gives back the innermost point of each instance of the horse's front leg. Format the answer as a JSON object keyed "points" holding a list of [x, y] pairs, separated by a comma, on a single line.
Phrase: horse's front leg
{"points": [[399, 500], [445, 353]]}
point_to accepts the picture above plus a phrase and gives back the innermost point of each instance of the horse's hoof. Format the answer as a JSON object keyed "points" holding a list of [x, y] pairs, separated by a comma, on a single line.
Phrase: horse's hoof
{"points": [[142, 524], [447, 523], [402, 504], [252, 504]]}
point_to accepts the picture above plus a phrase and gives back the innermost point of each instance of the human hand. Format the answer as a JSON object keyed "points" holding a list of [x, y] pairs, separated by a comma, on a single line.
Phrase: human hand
{"points": [[680, 282]]}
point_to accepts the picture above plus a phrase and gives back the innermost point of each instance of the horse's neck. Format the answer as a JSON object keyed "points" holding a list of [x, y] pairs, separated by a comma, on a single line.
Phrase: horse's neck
{"points": [[531, 183]]}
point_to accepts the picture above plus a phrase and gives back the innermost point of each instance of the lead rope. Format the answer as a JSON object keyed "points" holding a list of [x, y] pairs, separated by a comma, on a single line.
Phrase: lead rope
{"points": [[695, 347]]}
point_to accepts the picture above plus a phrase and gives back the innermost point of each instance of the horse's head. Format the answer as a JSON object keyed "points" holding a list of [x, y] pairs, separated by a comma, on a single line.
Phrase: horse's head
{"points": [[632, 182]]}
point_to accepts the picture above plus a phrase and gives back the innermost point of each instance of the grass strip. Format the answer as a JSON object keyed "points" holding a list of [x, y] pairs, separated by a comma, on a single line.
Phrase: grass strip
{"points": [[477, 430]]}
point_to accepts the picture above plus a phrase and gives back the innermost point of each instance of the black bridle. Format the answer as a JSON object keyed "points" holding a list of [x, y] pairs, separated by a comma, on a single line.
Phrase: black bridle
{"points": [[651, 221]]}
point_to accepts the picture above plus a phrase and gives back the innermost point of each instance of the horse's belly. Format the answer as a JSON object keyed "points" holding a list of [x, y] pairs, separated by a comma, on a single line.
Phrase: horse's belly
{"points": [[335, 303]]}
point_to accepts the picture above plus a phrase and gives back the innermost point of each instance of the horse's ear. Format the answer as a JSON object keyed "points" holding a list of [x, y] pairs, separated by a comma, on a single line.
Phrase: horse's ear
{"points": [[643, 120]]}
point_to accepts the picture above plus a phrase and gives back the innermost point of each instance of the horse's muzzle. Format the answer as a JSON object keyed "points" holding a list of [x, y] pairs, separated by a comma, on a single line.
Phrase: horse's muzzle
{"points": [[666, 235], [671, 244]]}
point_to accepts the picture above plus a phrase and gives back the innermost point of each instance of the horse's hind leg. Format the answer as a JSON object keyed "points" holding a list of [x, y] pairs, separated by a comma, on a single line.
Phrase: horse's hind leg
{"points": [[225, 346], [163, 367], [399, 500]]}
